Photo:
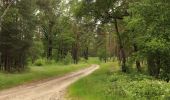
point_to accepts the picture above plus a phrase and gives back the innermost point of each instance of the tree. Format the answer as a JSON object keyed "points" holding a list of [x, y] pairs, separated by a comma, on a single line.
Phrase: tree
{"points": [[64, 38], [151, 31], [105, 12], [16, 35], [48, 14], [8, 4], [36, 51]]}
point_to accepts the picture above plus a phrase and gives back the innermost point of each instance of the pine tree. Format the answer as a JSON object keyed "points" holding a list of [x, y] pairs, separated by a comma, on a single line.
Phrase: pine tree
{"points": [[16, 35]]}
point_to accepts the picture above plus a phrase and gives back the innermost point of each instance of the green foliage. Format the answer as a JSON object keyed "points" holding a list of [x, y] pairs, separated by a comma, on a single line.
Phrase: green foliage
{"points": [[83, 60], [16, 35], [68, 59], [103, 55], [48, 16], [108, 83], [93, 60], [148, 28], [64, 39], [138, 86], [36, 51], [39, 62]]}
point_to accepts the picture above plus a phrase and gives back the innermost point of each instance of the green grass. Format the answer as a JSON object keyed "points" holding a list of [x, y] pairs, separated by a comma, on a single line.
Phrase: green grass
{"points": [[108, 83], [40, 72]]}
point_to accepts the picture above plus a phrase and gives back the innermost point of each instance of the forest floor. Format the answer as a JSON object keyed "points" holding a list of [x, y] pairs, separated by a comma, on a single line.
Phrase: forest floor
{"points": [[50, 89]]}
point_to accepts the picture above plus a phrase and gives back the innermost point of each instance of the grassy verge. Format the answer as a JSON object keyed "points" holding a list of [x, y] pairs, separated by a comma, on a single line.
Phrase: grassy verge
{"points": [[108, 83], [41, 72]]}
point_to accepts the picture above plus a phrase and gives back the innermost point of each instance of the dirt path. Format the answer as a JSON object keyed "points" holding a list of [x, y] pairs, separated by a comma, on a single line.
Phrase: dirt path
{"points": [[46, 90]]}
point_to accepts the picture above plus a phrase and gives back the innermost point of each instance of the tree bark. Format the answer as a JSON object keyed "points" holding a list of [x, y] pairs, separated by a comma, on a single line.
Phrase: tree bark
{"points": [[75, 53], [138, 66], [49, 52], [154, 66], [50, 41], [121, 48], [86, 51]]}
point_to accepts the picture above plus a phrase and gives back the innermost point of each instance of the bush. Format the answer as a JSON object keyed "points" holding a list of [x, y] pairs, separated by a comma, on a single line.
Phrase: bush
{"points": [[36, 51], [103, 55], [68, 59], [83, 60], [39, 62], [119, 86], [49, 61], [138, 86]]}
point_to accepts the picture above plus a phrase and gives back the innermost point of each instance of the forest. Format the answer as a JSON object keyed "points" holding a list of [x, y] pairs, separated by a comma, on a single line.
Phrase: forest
{"points": [[131, 37]]}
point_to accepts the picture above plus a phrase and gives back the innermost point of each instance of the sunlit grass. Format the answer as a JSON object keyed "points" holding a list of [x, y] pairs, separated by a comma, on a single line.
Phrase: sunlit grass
{"points": [[92, 87], [109, 83]]}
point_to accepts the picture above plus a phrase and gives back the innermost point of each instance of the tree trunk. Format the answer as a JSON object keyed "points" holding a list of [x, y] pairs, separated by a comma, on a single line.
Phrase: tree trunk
{"points": [[138, 66], [154, 66], [86, 51], [50, 42], [121, 48], [75, 53], [158, 67], [49, 52]]}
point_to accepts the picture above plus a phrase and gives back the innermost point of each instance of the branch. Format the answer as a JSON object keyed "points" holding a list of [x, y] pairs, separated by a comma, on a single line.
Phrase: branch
{"points": [[6, 10]]}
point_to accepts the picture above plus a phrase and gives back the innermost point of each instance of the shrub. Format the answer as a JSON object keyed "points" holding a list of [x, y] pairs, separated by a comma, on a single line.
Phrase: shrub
{"points": [[138, 87], [83, 60], [103, 55], [68, 59], [36, 51], [39, 62]]}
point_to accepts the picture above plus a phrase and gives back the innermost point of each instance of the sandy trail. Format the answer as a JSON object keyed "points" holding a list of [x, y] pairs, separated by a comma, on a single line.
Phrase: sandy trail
{"points": [[46, 90]]}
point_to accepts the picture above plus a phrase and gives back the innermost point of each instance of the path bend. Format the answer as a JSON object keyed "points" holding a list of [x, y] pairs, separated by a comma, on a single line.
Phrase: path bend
{"points": [[46, 90]]}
